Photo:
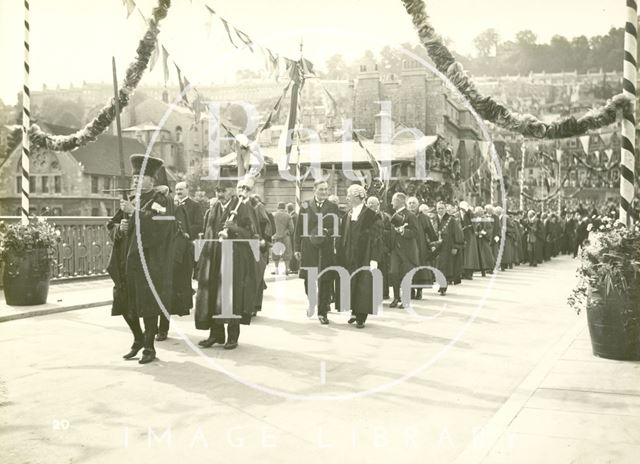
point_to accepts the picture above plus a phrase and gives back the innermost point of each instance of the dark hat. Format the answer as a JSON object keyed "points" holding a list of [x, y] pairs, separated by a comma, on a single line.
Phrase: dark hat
{"points": [[150, 168], [161, 176]]}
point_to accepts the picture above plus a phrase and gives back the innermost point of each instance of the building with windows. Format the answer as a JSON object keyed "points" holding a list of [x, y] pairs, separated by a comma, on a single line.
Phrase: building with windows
{"points": [[75, 183]]}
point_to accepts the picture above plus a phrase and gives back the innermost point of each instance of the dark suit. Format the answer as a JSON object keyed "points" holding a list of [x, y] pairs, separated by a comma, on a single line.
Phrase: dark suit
{"points": [[318, 247], [294, 265], [404, 253], [359, 244], [195, 217]]}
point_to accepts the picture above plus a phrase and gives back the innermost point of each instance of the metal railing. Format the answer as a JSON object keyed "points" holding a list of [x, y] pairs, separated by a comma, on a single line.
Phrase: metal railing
{"points": [[84, 247]]}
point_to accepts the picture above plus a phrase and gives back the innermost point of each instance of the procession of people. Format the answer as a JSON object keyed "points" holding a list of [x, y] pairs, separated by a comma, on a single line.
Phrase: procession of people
{"points": [[163, 240]]}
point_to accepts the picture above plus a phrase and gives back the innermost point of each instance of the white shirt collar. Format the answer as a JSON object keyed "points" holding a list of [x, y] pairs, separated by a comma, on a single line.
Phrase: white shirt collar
{"points": [[355, 212]]}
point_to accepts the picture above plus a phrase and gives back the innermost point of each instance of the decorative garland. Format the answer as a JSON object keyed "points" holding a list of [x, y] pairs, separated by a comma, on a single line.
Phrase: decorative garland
{"points": [[106, 116], [490, 110]]}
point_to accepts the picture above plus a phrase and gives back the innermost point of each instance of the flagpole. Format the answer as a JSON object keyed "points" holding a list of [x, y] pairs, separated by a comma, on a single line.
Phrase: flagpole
{"points": [[26, 121], [116, 97], [629, 80], [296, 89], [523, 149]]}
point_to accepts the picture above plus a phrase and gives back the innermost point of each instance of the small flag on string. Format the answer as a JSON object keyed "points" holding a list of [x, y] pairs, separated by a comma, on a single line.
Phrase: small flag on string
{"points": [[244, 38], [153, 59], [131, 5], [226, 26], [165, 65], [182, 85], [609, 153], [584, 141]]}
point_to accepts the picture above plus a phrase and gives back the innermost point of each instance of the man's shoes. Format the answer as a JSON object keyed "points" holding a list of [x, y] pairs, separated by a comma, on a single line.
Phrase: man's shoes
{"points": [[324, 320], [394, 303], [230, 345], [137, 346], [162, 336], [351, 320], [209, 342], [147, 356]]}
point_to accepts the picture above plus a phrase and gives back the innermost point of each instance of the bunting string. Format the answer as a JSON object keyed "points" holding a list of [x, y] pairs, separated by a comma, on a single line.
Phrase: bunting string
{"points": [[489, 109], [103, 120]]}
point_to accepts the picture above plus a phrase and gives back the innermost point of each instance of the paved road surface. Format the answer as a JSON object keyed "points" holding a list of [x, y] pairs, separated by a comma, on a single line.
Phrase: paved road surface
{"points": [[443, 384]]}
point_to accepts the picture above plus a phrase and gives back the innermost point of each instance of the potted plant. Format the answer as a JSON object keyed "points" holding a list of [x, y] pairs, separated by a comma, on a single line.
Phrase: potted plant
{"points": [[609, 288], [28, 254]]}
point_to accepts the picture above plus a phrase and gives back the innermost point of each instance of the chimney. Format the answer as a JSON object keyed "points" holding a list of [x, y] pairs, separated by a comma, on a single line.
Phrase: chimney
{"points": [[383, 128]]}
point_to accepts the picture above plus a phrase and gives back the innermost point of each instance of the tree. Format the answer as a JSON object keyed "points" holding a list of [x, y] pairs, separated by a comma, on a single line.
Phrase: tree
{"points": [[580, 53], [391, 59], [246, 74], [526, 37], [336, 67], [561, 55], [487, 42], [62, 112]]}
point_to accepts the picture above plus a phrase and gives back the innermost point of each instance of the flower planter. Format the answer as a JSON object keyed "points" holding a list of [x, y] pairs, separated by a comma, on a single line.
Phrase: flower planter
{"points": [[26, 277], [614, 335]]}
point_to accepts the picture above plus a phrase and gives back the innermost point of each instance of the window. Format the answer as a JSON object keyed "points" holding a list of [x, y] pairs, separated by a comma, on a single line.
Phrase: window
{"points": [[45, 184], [94, 184], [57, 184]]}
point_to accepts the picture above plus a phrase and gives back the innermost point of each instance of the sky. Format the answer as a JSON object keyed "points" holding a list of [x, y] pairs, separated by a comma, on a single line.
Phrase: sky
{"points": [[73, 40]]}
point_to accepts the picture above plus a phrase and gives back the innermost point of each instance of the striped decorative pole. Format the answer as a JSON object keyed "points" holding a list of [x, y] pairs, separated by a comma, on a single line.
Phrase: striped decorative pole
{"points": [[629, 79], [523, 149], [26, 119]]}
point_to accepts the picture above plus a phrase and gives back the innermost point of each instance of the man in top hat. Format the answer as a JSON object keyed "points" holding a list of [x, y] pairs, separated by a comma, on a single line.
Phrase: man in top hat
{"points": [[314, 243], [143, 256], [230, 218], [282, 245]]}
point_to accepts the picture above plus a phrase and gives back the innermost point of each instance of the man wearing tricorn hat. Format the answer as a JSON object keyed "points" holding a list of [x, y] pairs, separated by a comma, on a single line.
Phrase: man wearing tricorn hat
{"points": [[230, 218], [141, 263]]}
